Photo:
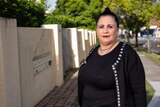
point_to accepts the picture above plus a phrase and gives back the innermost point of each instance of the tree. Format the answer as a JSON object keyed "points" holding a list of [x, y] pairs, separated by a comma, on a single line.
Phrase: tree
{"points": [[27, 13], [64, 20], [136, 13], [65, 13], [87, 18], [84, 13], [156, 12], [80, 13]]}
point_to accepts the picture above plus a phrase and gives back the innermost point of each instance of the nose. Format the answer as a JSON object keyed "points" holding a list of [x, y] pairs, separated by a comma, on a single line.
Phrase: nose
{"points": [[105, 30]]}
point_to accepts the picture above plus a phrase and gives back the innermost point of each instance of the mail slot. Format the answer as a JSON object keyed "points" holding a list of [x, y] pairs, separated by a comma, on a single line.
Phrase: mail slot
{"points": [[42, 62]]}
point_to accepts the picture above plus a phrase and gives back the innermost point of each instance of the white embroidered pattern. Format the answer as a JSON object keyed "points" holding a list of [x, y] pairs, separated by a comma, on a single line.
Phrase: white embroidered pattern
{"points": [[84, 60], [116, 75]]}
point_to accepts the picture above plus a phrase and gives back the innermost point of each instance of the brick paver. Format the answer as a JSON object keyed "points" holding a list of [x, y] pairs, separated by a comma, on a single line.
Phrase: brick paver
{"points": [[63, 96]]}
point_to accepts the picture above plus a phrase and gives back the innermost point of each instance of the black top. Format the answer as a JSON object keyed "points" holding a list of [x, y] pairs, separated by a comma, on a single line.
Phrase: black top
{"points": [[116, 79], [98, 79]]}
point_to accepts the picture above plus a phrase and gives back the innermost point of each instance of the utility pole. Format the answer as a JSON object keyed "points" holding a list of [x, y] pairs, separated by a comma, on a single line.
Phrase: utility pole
{"points": [[148, 41]]}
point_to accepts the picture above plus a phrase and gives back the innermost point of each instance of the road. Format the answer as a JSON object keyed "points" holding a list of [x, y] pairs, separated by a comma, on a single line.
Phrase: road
{"points": [[153, 43]]}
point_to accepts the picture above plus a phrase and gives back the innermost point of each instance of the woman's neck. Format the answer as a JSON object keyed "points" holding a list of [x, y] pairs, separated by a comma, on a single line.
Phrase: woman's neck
{"points": [[104, 49], [108, 46]]}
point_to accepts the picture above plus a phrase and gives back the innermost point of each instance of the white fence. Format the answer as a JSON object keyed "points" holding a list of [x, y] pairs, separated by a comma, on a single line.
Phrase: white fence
{"points": [[33, 60]]}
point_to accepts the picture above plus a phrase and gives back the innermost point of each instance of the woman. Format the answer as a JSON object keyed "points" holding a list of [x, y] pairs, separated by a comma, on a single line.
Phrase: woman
{"points": [[112, 75]]}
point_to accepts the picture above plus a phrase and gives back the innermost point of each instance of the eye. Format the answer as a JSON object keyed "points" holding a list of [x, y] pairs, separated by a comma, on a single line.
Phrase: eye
{"points": [[100, 26], [110, 26]]}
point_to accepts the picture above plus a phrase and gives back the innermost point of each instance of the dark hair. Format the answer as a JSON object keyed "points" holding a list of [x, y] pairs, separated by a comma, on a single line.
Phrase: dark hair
{"points": [[108, 12]]}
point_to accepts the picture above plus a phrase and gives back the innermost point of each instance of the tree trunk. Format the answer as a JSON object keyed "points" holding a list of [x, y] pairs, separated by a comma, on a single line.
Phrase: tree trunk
{"points": [[136, 39]]}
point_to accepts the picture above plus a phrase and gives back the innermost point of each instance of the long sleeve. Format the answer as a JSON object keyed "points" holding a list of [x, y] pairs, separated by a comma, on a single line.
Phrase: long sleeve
{"points": [[136, 77], [80, 89]]}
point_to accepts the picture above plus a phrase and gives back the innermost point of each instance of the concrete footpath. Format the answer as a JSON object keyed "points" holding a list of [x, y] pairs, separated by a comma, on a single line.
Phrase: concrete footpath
{"points": [[152, 72], [65, 95]]}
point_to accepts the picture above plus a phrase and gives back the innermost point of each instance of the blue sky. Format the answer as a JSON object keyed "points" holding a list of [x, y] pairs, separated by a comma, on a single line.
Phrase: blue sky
{"points": [[52, 4]]}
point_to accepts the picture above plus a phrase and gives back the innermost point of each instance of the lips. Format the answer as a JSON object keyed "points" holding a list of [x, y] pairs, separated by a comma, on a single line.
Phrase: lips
{"points": [[105, 36]]}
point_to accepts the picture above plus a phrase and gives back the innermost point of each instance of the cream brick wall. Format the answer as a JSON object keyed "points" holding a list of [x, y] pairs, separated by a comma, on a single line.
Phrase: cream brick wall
{"points": [[10, 93], [33, 60], [36, 83]]}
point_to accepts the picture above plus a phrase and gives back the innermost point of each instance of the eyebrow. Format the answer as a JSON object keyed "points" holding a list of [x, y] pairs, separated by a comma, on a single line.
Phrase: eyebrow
{"points": [[107, 25]]}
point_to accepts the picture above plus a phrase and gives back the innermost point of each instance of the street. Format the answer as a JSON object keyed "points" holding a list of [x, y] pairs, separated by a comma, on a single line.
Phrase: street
{"points": [[154, 43]]}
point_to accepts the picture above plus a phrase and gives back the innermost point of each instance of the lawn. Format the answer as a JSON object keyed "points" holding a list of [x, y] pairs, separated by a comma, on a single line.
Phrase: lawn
{"points": [[150, 92]]}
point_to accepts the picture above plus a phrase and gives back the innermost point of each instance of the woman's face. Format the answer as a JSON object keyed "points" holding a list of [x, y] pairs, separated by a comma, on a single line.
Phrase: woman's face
{"points": [[107, 30]]}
